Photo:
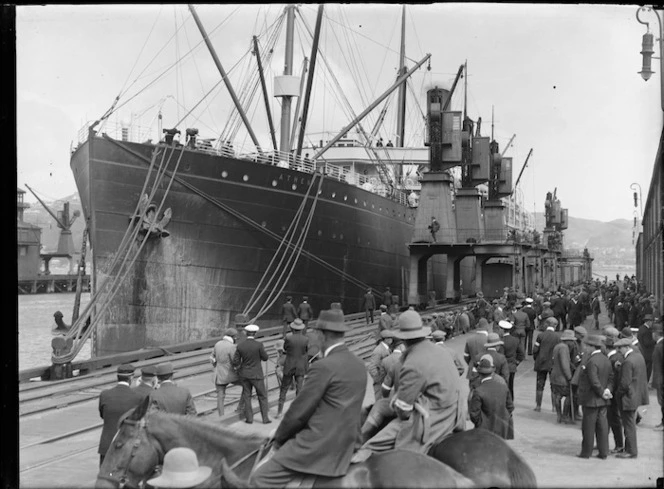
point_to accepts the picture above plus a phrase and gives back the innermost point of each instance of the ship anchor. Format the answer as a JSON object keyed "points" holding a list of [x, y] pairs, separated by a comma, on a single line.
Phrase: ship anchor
{"points": [[148, 212]]}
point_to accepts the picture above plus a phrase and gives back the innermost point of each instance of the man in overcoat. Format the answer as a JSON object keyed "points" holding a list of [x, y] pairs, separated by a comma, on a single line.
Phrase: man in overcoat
{"points": [[521, 324], [113, 403], [170, 397], [532, 315], [369, 306], [222, 361], [318, 431], [427, 400], [474, 348], [632, 392], [295, 362], [304, 311], [288, 315], [247, 364], [490, 405], [147, 382], [375, 368], [542, 353], [595, 381], [561, 375], [384, 320], [514, 352], [500, 364]]}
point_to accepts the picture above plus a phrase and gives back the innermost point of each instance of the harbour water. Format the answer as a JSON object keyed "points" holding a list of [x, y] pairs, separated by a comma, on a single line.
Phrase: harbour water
{"points": [[35, 325]]}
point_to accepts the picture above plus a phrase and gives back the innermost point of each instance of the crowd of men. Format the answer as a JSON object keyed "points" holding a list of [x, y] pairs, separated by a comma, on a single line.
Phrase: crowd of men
{"points": [[600, 377]]}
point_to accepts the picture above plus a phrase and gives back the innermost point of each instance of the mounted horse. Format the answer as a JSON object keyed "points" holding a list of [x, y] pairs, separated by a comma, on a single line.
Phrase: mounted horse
{"points": [[144, 438]]}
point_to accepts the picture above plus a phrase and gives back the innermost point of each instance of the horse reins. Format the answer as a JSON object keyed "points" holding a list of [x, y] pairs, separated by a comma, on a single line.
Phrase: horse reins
{"points": [[121, 482]]}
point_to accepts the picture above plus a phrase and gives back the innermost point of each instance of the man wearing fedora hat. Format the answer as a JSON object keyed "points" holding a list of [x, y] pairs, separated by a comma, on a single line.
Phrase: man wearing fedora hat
{"points": [[490, 405], [530, 311], [542, 353], [595, 384], [318, 431], [427, 399], [646, 342], [561, 376], [170, 397], [247, 363], [369, 306], [147, 382], [632, 392], [113, 403], [295, 362], [521, 322], [222, 362], [375, 368], [181, 470], [493, 341], [513, 351], [288, 314]]}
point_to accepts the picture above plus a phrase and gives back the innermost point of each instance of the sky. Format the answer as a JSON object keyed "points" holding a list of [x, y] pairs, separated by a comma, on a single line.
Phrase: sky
{"points": [[562, 78]]}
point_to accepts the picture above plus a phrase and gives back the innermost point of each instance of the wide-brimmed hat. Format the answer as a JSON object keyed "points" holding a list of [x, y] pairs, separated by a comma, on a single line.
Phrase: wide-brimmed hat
{"points": [[410, 326], [251, 328], [568, 334], [438, 335], [594, 340], [241, 320], [126, 369], [505, 324], [297, 324], [493, 340], [332, 320], [581, 330], [165, 368], [622, 342], [485, 365], [181, 469]]}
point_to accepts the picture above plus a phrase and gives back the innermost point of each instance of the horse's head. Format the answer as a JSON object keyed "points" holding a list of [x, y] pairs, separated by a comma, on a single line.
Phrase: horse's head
{"points": [[133, 455]]}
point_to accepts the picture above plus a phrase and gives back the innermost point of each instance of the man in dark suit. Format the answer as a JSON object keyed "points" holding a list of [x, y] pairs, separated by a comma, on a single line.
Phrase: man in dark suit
{"points": [[543, 354], [288, 315], [575, 312], [247, 363], [147, 382], [632, 392], [532, 315], [387, 298], [295, 362], [514, 352], [559, 308], [113, 403], [318, 432], [369, 305], [304, 311], [646, 342], [490, 405], [595, 381], [170, 397], [500, 364]]}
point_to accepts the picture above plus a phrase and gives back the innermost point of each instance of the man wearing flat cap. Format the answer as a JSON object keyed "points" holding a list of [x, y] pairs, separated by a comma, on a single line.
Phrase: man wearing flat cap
{"points": [[113, 403], [147, 382], [632, 392], [427, 399], [170, 397], [490, 404], [222, 361], [595, 383], [295, 362], [318, 431], [247, 363]]}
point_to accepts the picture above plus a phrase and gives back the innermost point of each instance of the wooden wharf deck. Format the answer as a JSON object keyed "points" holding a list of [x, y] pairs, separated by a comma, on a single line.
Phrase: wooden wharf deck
{"points": [[48, 284]]}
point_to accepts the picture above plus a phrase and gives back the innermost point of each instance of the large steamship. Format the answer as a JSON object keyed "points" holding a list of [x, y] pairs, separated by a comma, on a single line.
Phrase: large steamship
{"points": [[228, 212]]}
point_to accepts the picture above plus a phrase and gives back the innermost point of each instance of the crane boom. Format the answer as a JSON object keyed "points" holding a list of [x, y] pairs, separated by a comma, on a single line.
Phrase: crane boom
{"points": [[508, 145], [522, 168], [46, 207]]}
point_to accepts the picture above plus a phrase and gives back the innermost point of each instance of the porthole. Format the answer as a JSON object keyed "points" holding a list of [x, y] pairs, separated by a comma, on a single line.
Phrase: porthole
{"points": [[345, 197], [245, 178], [320, 233], [373, 206], [320, 192], [356, 201], [380, 208], [294, 187], [283, 228], [334, 235], [274, 183], [341, 236], [334, 194], [264, 224], [224, 174], [365, 204]]}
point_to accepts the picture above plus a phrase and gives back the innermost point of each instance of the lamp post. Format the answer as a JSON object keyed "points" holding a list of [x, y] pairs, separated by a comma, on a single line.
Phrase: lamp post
{"points": [[647, 49], [632, 186]]}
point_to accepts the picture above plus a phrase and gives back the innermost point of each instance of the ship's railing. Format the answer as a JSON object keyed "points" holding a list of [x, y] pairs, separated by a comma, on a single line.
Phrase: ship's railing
{"points": [[496, 236], [117, 130]]}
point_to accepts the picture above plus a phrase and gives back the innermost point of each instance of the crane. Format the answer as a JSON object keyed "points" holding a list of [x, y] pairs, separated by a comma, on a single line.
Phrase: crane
{"points": [[522, 168], [508, 145]]}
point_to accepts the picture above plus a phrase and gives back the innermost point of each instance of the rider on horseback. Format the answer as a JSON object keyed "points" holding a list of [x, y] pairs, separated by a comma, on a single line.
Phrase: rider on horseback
{"points": [[318, 432], [427, 400]]}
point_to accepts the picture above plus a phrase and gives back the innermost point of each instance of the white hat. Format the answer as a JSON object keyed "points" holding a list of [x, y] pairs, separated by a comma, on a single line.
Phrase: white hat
{"points": [[181, 469], [505, 324], [251, 328], [529, 300]]}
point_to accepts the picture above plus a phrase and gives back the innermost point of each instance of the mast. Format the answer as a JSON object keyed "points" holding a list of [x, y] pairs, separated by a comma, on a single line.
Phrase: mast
{"points": [[284, 146], [224, 77], [299, 101], [265, 98], [465, 90], [310, 79], [401, 100]]}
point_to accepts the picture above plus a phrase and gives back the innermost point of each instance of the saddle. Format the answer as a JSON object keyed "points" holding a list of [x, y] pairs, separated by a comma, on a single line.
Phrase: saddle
{"points": [[301, 481]]}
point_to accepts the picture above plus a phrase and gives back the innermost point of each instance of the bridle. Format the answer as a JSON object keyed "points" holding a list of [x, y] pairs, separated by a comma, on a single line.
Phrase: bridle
{"points": [[121, 479]]}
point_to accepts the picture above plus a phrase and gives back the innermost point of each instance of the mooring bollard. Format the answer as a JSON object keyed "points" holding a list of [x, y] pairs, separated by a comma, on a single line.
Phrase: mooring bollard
{"points": [[61, 346]]}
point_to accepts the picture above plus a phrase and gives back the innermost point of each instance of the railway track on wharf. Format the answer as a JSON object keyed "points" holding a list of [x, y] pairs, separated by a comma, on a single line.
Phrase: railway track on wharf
{"points": [[60, 421]]}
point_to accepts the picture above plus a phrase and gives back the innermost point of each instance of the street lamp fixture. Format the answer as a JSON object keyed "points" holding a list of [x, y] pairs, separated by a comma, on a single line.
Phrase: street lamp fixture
{"points": [[647, 48]]}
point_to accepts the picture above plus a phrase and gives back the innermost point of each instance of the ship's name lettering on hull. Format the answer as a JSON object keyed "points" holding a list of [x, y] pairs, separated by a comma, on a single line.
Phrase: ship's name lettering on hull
{"points": [[294, 179]]}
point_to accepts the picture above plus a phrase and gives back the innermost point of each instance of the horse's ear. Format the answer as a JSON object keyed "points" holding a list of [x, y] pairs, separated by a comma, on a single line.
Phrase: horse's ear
{"points": [[140, 410]]}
